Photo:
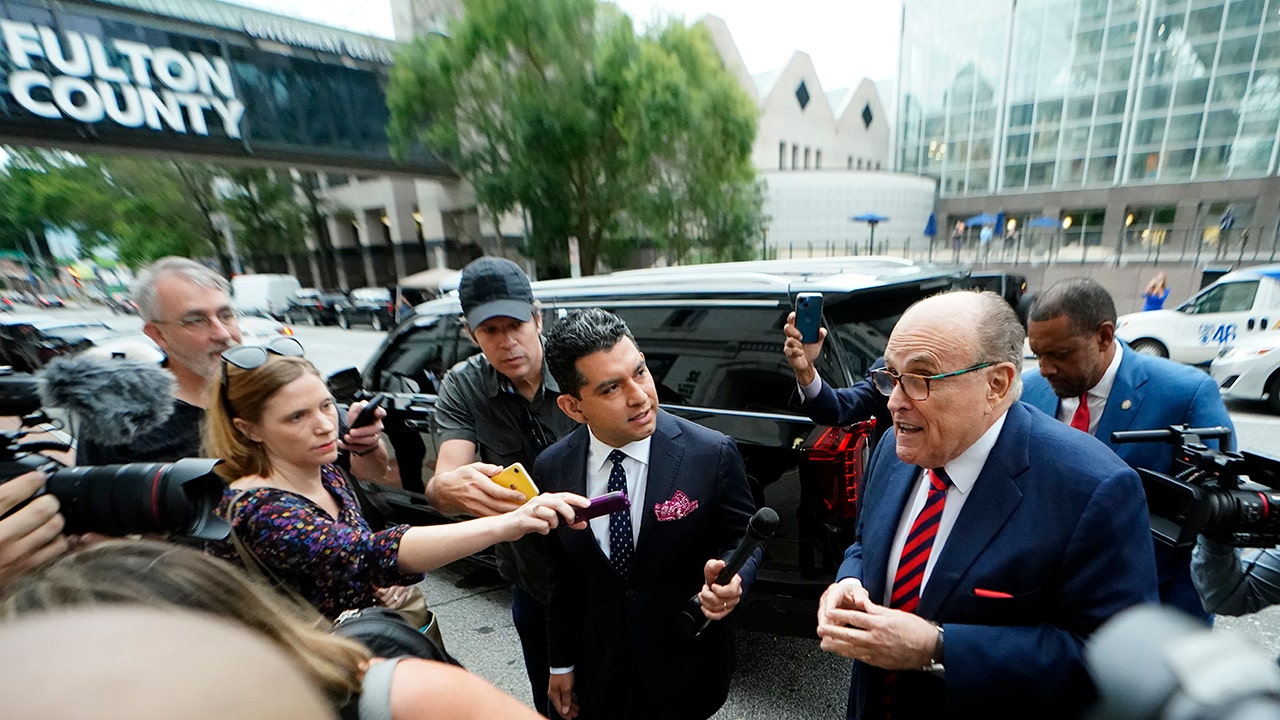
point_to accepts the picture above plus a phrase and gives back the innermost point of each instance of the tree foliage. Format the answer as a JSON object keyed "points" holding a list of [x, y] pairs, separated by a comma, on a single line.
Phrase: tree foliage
{"points": [[557, 107]]}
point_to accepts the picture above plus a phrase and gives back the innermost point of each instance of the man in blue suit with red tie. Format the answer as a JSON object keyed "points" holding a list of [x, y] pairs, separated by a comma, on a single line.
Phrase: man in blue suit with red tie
{"points": [[1090, 380], [992, 539]]}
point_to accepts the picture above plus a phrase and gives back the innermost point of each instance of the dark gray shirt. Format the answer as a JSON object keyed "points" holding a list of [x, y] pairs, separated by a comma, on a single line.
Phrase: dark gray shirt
{"points": [[478, 404]]}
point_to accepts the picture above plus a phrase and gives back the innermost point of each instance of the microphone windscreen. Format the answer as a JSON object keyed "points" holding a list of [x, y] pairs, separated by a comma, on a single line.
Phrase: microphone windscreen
{"points": [[114, 401], [764, 523]]}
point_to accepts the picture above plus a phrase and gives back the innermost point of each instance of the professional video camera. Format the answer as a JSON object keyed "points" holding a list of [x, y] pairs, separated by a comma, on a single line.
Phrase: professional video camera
{"points": [[178, 497], [1208, 495]]}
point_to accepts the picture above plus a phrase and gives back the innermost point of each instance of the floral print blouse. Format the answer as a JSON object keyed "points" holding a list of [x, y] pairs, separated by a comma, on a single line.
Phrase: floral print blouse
{"points": [[333, 563]]}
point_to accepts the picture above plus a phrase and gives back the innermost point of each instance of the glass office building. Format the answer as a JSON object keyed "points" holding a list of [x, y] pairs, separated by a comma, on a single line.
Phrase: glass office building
{"points": [[1033, 106]]}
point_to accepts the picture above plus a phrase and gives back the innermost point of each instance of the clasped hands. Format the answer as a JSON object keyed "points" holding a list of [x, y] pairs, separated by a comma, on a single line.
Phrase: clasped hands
{"points": [[851, 625]]}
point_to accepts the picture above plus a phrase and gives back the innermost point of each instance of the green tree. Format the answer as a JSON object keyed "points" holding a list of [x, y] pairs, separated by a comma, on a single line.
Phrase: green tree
{"points": [[267, 216], [557, 107]]}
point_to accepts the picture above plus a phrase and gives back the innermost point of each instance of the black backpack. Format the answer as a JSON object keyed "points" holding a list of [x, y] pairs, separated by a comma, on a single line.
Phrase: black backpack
{"points": [[388, 635]]}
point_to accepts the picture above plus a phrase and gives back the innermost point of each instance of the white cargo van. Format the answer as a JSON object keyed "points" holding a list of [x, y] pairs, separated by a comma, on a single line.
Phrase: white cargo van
{"points": [[1238, 306], [263, 294]]}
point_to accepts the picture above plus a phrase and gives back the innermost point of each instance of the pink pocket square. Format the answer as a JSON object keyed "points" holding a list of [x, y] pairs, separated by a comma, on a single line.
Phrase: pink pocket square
{"points": [[676, 508]]}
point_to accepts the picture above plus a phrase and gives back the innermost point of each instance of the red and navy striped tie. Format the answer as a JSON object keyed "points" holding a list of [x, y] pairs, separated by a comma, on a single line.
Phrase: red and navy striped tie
{"points": [[919, 544], [914, 558]]}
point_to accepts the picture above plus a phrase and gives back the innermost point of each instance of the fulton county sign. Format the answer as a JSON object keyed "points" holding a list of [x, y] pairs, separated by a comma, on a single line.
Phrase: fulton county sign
{"points": [[156, 87], [93, 76]]}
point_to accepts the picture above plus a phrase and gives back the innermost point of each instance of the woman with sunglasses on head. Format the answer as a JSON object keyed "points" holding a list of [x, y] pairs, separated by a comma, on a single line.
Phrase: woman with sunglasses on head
{"points": [[275, 425], [169, 577]]}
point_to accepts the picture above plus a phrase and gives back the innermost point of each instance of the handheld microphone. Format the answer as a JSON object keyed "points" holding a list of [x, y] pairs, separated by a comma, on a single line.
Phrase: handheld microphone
{"points": [[114, 401], [761, 527]]}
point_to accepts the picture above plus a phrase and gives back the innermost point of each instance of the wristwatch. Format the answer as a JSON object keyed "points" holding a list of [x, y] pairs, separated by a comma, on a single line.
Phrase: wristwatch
{"points": [[935, 666]]}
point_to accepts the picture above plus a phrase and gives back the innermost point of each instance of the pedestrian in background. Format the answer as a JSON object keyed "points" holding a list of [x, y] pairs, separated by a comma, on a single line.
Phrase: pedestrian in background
{"points": [[1153, 296]]}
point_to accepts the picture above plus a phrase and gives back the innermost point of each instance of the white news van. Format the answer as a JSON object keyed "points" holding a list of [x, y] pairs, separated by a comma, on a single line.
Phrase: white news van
{"points": [[263, 294], [1238, 306]]}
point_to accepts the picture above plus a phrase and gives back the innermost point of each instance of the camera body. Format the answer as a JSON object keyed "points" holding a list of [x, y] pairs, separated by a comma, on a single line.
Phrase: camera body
{"points": [[174, 498], [1207, 494]]}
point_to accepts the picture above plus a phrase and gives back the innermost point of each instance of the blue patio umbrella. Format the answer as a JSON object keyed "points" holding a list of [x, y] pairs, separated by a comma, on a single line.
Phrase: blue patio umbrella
{"points": [[983, 219], [1043, 222], [871, 219], [931, 227], [1000, 223]]}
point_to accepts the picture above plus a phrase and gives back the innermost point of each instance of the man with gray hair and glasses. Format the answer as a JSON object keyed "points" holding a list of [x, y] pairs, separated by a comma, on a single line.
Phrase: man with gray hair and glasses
{"points": [[186, 309], [985, 522]]}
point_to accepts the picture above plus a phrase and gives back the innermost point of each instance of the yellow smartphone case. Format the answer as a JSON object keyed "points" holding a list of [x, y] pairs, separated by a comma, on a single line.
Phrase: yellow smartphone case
{"points": [[517, 478]]}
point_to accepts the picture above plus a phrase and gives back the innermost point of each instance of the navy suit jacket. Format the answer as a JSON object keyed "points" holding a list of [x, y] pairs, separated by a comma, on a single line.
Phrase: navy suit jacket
{"points": [[630, 657], [1151, 393], [1056, 522]]}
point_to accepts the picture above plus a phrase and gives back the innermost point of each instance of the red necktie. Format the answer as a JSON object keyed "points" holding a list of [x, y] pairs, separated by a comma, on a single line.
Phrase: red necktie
{"points": [[919, 545], [1080, 420], [914, 558]]}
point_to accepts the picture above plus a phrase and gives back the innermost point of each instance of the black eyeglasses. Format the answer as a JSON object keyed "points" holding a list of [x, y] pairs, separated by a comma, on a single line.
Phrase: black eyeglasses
{"points": [[915, 386], [251, 357]]}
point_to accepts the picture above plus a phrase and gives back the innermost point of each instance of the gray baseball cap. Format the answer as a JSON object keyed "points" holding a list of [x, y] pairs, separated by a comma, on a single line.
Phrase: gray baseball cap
{"points": [[494, 287]]}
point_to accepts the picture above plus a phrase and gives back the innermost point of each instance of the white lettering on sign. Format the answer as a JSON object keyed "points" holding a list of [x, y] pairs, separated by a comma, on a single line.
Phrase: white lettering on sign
{"points": [[158, 87]]}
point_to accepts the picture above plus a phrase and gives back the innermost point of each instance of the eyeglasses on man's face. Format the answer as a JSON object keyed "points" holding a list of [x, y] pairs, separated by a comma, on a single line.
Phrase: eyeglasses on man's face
{"points": [[914, 386], [251, 357], [196, 322]]}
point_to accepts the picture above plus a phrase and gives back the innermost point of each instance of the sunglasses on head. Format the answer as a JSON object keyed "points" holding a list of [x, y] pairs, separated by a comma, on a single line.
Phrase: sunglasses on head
{"points": [[251, 357]]}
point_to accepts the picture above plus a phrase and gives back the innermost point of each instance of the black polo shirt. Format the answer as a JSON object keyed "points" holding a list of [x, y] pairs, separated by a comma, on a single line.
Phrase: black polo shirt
{"points": [[478, 404]]}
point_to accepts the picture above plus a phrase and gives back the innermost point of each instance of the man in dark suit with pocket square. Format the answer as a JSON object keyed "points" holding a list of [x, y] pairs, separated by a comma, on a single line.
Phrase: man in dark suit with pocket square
{"points": [[617, 591], [992, 539]]}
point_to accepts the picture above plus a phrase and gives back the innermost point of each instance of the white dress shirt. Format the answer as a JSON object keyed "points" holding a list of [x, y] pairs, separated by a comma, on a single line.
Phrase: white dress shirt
{"points": [[963, 471], [598, 468], [1097, 395]]}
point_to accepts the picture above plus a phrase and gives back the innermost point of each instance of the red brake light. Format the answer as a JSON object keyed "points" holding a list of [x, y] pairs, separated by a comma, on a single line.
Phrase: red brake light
{"points": [[835, 461]]}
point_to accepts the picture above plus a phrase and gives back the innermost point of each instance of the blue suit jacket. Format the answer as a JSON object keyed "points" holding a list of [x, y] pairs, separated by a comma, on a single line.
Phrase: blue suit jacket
{"points": [[1056, 522], [631, 659], [1149, 394]]}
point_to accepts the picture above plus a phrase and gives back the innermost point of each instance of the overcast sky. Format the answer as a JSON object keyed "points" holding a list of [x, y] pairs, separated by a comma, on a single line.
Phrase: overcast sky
{"points": [[847, 39]]}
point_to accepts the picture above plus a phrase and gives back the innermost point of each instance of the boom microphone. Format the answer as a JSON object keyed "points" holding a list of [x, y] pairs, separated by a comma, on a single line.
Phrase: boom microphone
{"points": [[761, 527], [114, 400]]}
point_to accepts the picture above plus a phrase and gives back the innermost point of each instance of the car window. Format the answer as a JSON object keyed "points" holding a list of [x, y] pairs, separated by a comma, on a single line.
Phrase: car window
{"points": [[729, 358], [1226, 297], [420, 357]]}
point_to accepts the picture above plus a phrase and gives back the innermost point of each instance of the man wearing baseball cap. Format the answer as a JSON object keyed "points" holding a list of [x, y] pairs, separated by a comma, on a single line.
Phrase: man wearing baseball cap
{"points": [[500, 407]]}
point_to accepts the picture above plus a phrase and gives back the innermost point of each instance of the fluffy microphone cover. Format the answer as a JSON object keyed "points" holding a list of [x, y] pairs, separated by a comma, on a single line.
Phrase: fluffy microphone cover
{"points": [[113, 400]]}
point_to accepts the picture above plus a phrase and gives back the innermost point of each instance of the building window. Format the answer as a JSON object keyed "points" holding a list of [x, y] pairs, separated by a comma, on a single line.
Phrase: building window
{"points": [[859, 163], [795, 156], [782, 155], [802, 95], [817, 159], [877, 164], [850, 163], [806, 158]]}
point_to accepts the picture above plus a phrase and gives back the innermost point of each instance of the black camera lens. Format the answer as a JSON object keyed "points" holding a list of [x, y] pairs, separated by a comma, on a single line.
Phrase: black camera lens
{"points": [[178, 497]]}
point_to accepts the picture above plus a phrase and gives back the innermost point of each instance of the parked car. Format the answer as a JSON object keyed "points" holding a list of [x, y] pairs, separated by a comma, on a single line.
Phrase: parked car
{"points": [[27, 343], [1238, 306], [371, 306], [1250, 370], [712, 337], [314, 307]]}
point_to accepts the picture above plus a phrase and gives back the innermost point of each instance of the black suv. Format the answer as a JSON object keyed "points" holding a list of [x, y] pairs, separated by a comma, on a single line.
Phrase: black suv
{"points": [[315, 308], [712, 335]]}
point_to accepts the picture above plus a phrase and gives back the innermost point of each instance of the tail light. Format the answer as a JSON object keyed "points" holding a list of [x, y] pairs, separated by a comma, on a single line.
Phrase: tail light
{"points": [[836, 461]]}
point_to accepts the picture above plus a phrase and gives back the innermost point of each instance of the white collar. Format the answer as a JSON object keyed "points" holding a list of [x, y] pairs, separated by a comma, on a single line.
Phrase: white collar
{"points": [[964, 470], [1103, 388], [598, 451]]}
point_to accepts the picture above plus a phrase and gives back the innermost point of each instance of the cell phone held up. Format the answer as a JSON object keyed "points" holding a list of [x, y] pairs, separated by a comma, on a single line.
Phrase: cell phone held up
{"points": [[517, 478], [606, 504], [368, 412], [808, 316]]}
